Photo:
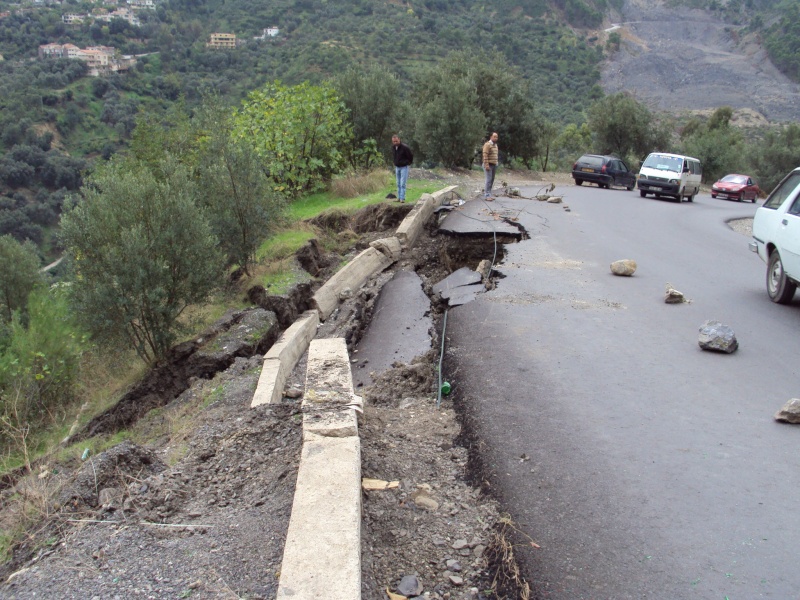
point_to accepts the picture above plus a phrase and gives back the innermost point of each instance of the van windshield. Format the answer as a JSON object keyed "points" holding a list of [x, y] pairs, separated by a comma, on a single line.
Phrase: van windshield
{"points": [[664, 163]]}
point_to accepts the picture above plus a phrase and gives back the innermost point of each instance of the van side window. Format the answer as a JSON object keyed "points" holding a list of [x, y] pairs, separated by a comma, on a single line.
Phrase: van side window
{"points": [[785, 189], [696, 167]]}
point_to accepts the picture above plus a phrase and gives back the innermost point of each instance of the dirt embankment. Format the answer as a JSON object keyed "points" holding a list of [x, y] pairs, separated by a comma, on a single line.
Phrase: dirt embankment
{"points": [[201, 508], [679, 59]]}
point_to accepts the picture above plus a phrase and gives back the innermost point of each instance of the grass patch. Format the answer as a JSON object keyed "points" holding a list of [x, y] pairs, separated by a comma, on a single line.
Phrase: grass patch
{"points": [[285, 243], [353, 185], [313, 205]]}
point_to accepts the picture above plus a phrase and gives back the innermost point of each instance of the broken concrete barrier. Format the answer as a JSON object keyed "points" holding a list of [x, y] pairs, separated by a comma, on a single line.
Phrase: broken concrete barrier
{"points": [[322, 554], [353, 275], [281, 358], [409, 230], [389, 246]]}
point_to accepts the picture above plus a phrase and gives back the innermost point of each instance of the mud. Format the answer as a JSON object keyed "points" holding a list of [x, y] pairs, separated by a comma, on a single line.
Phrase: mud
{"points": [[238, 334]]}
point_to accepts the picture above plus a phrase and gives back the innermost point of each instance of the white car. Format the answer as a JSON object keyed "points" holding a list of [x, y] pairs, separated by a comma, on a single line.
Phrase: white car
{"points": [[776, 238]]}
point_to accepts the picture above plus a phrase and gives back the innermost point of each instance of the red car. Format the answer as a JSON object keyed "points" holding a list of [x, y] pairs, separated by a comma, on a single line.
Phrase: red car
{"points": [[736, 187]]}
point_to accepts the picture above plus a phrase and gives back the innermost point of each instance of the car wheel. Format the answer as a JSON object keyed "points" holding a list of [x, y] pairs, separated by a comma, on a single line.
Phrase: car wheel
{"points": [[779, 287], [754, 199], [691, 198], [678, 198], [579, 182], [713, 195], [629, 187], [643, 194]]}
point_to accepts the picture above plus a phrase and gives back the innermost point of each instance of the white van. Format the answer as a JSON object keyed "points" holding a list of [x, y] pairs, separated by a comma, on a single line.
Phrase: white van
{"points": [[673, 175]]}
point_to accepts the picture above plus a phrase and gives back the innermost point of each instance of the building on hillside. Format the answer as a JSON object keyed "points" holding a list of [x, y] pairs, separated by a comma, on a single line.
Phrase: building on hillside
{"points": [[5, 14], [268, 32], [126, 14], [101, 60], [140, 4], [222, 41], [72, 19]]}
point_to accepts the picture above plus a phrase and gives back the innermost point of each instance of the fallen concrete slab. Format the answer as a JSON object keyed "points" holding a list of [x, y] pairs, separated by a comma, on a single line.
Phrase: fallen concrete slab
{"points": [[409, 230], [322, 555], [351, 277], [281, 358], [329, 400]]}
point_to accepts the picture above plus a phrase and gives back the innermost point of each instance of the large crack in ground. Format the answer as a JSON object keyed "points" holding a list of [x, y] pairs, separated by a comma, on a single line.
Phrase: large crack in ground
{"points": [[439, 524]]}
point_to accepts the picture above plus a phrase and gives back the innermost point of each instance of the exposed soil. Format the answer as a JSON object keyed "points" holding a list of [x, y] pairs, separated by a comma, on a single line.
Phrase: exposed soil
{"points": [[201, 509], [681, 59]]}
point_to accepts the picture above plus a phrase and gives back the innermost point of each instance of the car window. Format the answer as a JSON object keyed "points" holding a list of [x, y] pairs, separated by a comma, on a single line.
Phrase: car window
{"points": [[785, 189], [696, 169], [623, 166], [794, 209], [662, 162], [749, 181], [594, 161]]}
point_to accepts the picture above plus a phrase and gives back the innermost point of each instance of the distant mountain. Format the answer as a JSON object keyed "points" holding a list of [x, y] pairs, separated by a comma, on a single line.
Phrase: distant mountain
{"points": [[679, 58]]}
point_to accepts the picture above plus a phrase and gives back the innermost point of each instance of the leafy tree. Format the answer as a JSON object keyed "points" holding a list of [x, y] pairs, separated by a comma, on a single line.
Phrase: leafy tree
{"points": [[19, 274], [720, 151], [299, 131], [372, 98], [450, 126], [500, 95], [719, 146], [776, 155], [242, 206], [622, 126], [573, 141], [39, 363], [143, 251]]}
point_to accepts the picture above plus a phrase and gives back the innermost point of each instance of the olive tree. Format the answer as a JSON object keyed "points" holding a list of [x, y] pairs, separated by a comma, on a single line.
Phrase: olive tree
{"points": [[19, 274], [143, 251], [372, 99], [243, 207], [451, 126], [624, 126]]}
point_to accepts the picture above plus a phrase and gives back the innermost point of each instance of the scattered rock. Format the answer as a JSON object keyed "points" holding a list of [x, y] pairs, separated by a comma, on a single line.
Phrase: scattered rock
{"points": [[456, 580], [554, 200], [293, 393], [424, 500], [109, 498], [345, 294], [485, 268], [716, 337], [790, 413], [459, 544], [625, 267], [673, 296], [409, 586], [514, 191], [453, 565]]}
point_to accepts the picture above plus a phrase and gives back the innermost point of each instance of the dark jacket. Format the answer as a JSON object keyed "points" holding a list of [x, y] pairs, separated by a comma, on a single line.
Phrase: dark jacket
{"points": [[402, 155]]}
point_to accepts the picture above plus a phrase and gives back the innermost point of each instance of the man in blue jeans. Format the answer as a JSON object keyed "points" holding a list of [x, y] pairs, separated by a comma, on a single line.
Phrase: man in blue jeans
{"points": [[490, 160], [402, 156]]}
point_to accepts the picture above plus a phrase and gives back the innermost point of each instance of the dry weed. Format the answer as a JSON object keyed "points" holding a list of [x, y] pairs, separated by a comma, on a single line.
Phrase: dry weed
{"points": [[357, 184], [507, 581]]}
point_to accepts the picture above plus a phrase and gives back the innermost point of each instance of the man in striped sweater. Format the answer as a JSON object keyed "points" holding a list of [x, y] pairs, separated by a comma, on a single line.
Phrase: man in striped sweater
{"points": [[490, 164]]}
